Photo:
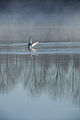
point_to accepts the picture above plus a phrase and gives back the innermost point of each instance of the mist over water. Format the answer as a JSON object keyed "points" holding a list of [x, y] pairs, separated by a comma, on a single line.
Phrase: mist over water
{"points": [[46, 20], [42, 83]]}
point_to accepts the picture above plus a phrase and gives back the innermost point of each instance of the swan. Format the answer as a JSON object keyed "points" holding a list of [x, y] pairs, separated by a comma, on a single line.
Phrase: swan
{"points": [[30, 44]]}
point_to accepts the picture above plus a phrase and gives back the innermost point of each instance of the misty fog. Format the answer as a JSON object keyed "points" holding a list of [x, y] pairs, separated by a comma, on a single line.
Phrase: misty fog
{"points": [[47, 21]]}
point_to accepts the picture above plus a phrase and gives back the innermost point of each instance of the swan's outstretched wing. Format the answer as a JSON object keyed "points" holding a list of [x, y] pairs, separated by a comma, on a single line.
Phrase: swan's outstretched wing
{"points": [[34, 44]]}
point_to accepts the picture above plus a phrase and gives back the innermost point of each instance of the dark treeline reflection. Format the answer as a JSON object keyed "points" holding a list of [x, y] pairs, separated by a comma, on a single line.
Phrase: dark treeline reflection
{"points": [[55, 75]]}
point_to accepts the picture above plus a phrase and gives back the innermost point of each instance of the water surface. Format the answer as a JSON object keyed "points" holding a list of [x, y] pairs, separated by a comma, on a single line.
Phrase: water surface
{"points": [[42, 84]]}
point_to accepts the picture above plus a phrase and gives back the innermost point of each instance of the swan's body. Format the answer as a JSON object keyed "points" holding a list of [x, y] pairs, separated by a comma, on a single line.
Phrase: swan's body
{"points": [[30, 44]]}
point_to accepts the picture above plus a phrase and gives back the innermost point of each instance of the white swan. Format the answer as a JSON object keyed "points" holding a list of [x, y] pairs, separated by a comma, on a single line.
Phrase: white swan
{"points": [[30, 44]]}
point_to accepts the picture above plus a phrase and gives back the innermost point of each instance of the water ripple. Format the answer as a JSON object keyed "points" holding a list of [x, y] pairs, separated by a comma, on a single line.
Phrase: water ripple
{"points": [[41, 48]]}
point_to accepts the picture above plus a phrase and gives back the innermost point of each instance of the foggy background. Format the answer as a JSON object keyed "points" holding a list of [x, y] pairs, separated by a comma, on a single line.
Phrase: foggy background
{"points": [[47, 20]]}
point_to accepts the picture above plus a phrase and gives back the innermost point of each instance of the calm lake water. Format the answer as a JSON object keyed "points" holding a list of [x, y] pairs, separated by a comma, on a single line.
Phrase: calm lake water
{"points": [[42, 84]]}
